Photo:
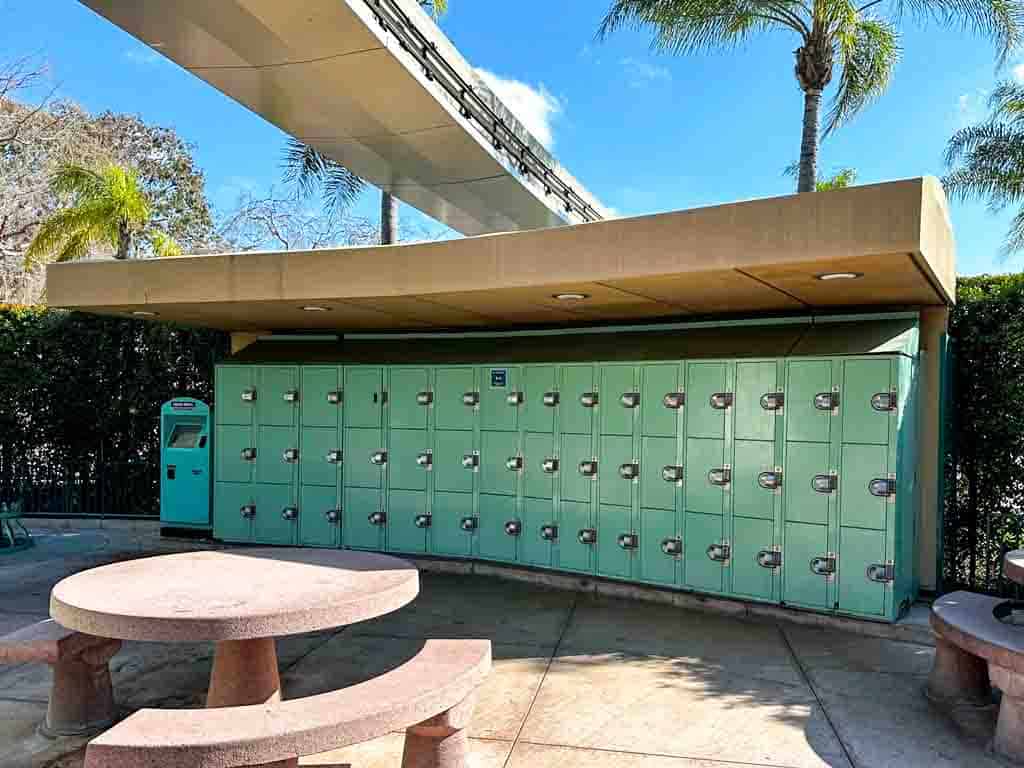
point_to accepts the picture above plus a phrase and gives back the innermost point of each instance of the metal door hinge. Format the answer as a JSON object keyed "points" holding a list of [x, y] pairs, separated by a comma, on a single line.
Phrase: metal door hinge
{"points": [[882, 573], [630, 399], [630, 471], [289, 513], [672, 473], [290, 456], [248, 454], [825, 483], [514, 399], [773, 401], [291, 396], [425, 460], [471, 461], [551, 399], [335, 398], [628, 541], [513, 528], [377, 518], [720, 553], [827, 401], [770, 481], [549, 532], [248, 511], [379, 458], [549, 465], [421, 521], [249, 395], [588, 467], [674, 400], [721, 400], [587, 536], [333, 515], [721, 476], [884, 401], [824, 566], [770, 558], [334, 457], [673, 547], [883, 487], [469, 524], [471, 399], [514, 463], [424, 398], [589, 399]]}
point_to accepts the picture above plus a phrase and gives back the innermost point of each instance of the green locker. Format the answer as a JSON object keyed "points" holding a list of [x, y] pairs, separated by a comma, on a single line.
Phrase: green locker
{"points": [[453, 524], [754, 478], [540, 532], [537, 413], [868, 396], [538, 471], [277, 455], [706, 476], [620, 399], [236, 394], [864, 500], [809, 487], [497, 532], [322, 398], [452, 408], [862, 572], [707, 399], [409, 521], [575, 543], [409, 398], [363, 524], [319, 517], [660, 554], [235, 454], [755, 380], [364, 456], [807, 570], [809, 394], [577, 390], [661, 409], [614, 554], [410, 459], [320, 456], [618, 470], [278, 400], [577, 471], [277, 515], [658, 468], [700, 571], [364, 397], [499, 463], [754, 558], [500, 399], [235, 506], [455, 462]]}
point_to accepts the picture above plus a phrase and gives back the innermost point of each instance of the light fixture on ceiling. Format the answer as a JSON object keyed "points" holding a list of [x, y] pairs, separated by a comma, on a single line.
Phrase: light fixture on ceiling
{"points": [[314, 308], [571, 296], [840, 276], [144, 313]]}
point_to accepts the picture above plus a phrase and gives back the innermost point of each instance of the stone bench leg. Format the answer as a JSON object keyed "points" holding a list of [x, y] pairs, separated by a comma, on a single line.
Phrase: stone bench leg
{"points": [[82, 697], [1009, 739], [441, 741], [957, 676]]}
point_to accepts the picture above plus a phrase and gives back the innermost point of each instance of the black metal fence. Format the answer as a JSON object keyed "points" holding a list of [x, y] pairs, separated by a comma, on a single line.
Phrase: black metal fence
{"points": [[89, 489]]}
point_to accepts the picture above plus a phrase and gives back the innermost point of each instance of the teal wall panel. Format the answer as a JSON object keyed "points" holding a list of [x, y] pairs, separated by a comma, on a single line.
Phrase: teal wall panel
{"points": [[232, 381], [494, 541], [574, 554], [405, 509], [322, 400], [860, 551], [319, 517], [699, 570], [450, 409], [749, 579], [363, 524], [447, 535], [612, 559], [228, 522], [534, 549], [652, 563], [270, 526], [573, 416]]}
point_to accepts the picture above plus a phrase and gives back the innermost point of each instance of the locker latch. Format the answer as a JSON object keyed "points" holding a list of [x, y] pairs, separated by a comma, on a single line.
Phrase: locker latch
{"points": [[672, 474], [377, 518], [588, 467], [379, 458], [883, 487], [513, 528], [826, 401], [629, 471], [421, 521], [248, 454], [468, 524], [334, 398], [514, 463], [471, 461], [587, 536], [549, 465], [424, 398], [551, 399], [289, 513], [719, 553], [291, 396], [290, 455], [882, 573], [514, 399], [425, 460], [334, 457], [770, 558], [721, 476], [333, 515], [672, 547], [824, 566], [770, 481], [674, 400], [825, 483], [628, 541], [630, 399], [248, 511], [589, 399], [721, 400], [249, 395], [549, 532], [884, 401], [471, 399], [773, 401]]}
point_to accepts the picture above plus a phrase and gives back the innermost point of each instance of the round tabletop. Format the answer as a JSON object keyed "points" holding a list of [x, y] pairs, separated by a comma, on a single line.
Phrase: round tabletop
{"points": [[1013, 566], [232, 595]]}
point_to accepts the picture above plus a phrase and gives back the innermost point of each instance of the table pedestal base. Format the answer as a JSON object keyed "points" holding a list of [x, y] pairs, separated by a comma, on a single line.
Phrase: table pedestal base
{"points": [[244, 672]]}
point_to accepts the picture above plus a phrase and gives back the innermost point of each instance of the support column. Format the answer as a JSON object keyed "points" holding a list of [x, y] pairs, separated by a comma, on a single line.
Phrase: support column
{"points": [[957, 676], [441, 741], [1009, 739], [82, 697]]}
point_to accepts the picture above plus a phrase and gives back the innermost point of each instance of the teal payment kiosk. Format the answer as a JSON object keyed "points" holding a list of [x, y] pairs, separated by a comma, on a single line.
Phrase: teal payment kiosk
{"points": [[186, 465]]}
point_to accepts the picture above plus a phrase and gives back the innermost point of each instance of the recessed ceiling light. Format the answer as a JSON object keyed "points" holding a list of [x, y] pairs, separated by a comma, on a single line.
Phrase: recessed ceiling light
{"points": [[315, 308], [571, 296], [144, 313], [840, 276]]}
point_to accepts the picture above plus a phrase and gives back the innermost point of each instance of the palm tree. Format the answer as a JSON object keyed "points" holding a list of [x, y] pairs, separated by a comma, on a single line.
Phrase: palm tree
{"points": [[987, 160], [311, 171], [854, 37], [106, 207]]}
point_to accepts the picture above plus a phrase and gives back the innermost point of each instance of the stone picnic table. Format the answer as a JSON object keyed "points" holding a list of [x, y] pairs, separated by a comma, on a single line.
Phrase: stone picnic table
{"points": [[241, 600], [1013, 566]]}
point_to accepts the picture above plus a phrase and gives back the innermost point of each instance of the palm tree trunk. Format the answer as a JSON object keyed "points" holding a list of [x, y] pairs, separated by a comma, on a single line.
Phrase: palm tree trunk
{"points": [[124, 242], [809, 142], [388, 218]]}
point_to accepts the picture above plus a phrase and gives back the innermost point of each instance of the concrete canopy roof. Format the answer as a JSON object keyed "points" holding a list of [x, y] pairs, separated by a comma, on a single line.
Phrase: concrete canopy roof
{"points": [[761, 256]]}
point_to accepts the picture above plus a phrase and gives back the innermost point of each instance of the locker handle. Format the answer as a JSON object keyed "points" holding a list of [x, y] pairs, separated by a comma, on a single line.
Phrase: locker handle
{"points": [[379, 458], [549, 532], [825, 483], [629, 471], [424, 398], [468, 524], [513, 528], [425, 459], [290, 455], [773, 401], [721, 400], [770, 481], [333, 515], [719, 553], [587, 536], [628, 541], [549, 465], [335, 397], [377, 518], [248, 454], [551, 399], [673, 547], [471, 460], [334, 457], [291, 396], [672, 474], [515, 399], [826, 401], [588, 467], [770, 558], [514, 463], [289, 513], [824, 566], [422, 521], [720, 477], [471, 399], [248, 511], [883, 487], [630, 399], [589, 399], [884, 401], [881, 573], [674, 400], [249, 395]]}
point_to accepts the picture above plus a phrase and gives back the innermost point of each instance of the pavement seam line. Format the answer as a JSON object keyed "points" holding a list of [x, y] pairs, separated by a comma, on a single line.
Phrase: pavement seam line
{"points": [[543, 677], [817, 698], [668, 755]]}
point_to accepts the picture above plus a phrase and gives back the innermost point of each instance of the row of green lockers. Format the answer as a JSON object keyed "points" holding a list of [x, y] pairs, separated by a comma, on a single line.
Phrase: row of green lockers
{"points": [[769, 480]]}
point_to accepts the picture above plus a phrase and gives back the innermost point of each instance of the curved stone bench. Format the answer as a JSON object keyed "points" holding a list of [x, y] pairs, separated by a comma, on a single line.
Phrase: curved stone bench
{"points": [[431, 696]]}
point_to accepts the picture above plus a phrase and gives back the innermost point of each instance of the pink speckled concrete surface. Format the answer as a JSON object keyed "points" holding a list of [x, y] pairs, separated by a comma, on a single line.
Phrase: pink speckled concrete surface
{"points": [[1013, 566]]}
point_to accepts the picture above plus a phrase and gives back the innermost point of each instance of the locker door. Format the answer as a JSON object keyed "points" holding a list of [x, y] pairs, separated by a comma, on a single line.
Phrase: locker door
{"points": [[575, 485], [534, 548], [496, 412], [617, 418], [655, 491], [450, 412], [405, 446], [750, 537], [702, 457], [494, 542], [496, 448], [859, 551], [753, 381], [862, 465], [750, 499], [319, 445], [319, 519], [270, 525], [536, 482], [653, 564], [612, 559], [699, 570], [657, 419], [806, 379], [534, 415], [862, 380], [447, 535], [363, 519], [360, 447], [616, 451], [278, 400], [404, 386], [272, 463], [800, 585], [405, 511], [321, 399], [703, 381], [363, 395], [450, 449], [232, 381], [804, 463], [576, 380], [228, 522], [574, 555], [231, 467]]}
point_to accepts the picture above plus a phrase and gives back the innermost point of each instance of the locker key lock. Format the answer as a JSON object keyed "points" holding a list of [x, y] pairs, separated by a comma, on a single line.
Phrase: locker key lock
{"points": [[334, 398], [588, 467], [377, 518], [249, 396], [721, 400], [549, 465], [421, 521], [770, 481], [770, 558], [551, 399], [333, 515], [824, 566], [424, 398], [630, 399], [471, 399], [248, 454], [289, 513], [884, 401], [589, 399], [513, 528], [248, 511], [514, 399], [334, 457], [773, 401], [881, 573], [379, 457], [672, 474], [290, 455], [514, 463], [722, 476], [291, 396], [674, 400], [471, 460], [629, 471], [468, 524], [883, 487], [587, 536], [825, 483], [672, 547], [826, 401], [425, 459], [628, 541], [719, 553], [549, 532]]}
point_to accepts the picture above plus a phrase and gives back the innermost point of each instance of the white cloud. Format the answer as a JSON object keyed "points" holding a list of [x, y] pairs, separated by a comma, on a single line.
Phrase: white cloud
{"points": [[1018, 73], [537, 108], [641, 73], [971, 107]]}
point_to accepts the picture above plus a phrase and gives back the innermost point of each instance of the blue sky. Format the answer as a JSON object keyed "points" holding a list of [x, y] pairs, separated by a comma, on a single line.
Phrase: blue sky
{"points": [[644, 132]]}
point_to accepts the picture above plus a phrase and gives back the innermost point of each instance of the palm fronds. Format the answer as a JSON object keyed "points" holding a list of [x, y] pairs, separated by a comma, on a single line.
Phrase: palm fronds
{"points": [[313, 173]]}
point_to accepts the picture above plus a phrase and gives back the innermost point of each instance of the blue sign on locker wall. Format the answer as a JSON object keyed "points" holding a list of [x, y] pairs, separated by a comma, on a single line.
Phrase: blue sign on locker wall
{"points": [[499, 378]]}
